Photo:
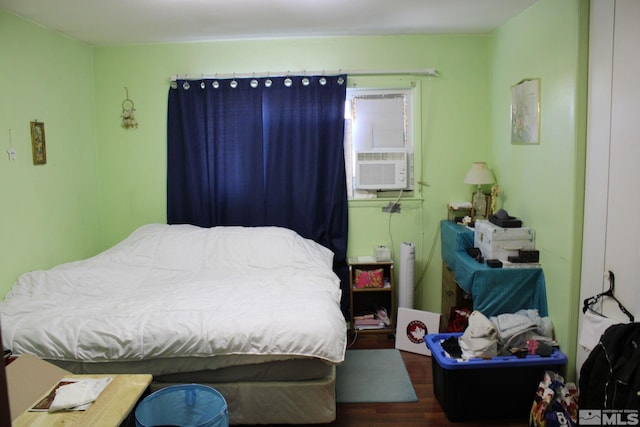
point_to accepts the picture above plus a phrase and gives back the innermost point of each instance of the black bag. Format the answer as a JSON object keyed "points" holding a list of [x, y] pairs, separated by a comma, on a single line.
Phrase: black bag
{"points": [[610, 377]]}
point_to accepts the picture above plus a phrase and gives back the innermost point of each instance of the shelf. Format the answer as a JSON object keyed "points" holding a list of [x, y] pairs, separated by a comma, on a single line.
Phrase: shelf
{"points": [[386, 288], [368, 300], [387, 330]]}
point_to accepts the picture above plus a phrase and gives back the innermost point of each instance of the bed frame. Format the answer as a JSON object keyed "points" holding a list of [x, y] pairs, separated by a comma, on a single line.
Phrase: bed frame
{"points": [[287, 402]]}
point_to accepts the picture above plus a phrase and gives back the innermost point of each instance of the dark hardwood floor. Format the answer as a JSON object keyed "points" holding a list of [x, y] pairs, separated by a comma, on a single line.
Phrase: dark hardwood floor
{"points": [[426, 412]]}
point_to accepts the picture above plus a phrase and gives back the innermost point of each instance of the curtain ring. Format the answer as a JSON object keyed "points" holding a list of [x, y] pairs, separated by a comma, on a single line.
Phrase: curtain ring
{"points": [[254, 83]]}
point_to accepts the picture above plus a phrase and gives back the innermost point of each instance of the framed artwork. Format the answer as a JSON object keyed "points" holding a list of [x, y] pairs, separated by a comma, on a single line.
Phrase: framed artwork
{"points": [[38, 144], [481, 209], [525, 112]]}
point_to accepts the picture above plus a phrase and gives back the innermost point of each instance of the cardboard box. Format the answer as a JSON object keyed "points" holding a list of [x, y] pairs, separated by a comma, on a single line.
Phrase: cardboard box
{"points": [[28, 379], [502, 387], [412, 327]]}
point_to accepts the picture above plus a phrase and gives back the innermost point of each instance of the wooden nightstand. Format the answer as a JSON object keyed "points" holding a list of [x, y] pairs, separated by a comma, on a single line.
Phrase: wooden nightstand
{"points": [[366, 301]]}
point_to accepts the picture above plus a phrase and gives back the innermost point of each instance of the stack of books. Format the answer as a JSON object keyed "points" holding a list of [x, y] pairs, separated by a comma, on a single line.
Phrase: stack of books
{"points": [[367, 321]]}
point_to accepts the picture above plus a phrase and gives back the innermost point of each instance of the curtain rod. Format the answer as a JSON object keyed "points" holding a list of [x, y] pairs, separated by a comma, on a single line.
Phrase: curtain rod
{"points": [[420, 71]]}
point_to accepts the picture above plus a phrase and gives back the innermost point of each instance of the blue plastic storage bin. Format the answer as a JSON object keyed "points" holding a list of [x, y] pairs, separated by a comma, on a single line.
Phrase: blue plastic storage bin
{"points": [[190, 405], [502, 387]]}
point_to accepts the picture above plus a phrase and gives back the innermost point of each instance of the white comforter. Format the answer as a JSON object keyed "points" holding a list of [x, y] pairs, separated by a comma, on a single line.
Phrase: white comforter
{"points": [[182, 291]]}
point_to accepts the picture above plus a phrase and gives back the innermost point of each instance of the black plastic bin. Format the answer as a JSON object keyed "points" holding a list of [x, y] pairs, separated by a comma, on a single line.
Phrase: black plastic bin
{"points": [[481, 389]]}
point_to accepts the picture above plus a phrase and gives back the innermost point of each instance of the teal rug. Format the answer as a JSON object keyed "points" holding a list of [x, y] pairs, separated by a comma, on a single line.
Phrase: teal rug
{"points": [[373, 376]]}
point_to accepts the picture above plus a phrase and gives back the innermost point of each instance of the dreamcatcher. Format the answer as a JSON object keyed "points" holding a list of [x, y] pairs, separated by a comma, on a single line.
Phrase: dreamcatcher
{"points": [[128, 117]]}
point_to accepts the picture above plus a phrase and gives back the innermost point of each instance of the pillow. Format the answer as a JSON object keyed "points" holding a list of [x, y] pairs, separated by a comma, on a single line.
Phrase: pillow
{"points": [[264, 247], [369, 278]]}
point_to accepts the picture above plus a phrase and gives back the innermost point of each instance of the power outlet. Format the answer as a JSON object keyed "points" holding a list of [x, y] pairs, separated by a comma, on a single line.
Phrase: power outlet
{"points": [[392, 208]]}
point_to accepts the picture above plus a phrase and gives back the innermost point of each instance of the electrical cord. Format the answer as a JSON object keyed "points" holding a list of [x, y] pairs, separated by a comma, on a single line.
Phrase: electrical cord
{"points": [[389, 223], [355, 338], [429, 258]]}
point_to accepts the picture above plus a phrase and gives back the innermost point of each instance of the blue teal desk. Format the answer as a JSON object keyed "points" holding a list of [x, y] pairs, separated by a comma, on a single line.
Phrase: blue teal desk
{"points": [[494, 290]]}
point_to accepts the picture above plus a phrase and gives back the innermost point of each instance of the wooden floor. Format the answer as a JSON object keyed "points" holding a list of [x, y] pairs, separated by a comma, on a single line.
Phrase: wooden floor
{"points": [[426, 412]]}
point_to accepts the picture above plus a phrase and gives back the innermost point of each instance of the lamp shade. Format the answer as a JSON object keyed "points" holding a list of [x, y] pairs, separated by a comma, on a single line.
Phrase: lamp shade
{"points": [[479, 174]]}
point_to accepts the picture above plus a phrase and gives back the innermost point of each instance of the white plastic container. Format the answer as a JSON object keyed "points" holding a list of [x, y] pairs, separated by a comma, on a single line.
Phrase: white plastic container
{"points": [[499, 243]]}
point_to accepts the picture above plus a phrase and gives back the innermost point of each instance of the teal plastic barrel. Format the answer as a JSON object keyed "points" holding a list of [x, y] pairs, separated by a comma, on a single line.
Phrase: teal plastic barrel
{"points": [[189, 405]]}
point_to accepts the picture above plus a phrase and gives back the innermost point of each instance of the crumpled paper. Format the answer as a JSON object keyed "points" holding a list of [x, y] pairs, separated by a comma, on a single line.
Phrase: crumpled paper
{"points": [[78, 395]]}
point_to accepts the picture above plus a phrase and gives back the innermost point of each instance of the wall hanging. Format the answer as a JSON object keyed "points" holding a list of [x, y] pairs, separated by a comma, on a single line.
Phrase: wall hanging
{"points": [[525, 112], [11, 151], [38, 144], [128, 117]]}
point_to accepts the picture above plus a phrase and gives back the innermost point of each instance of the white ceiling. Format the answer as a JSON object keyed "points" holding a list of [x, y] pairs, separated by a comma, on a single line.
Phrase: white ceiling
{"points": [[109, 22]]}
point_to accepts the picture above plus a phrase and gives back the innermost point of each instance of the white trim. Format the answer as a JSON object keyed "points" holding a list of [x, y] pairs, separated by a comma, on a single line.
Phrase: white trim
{"points": [[597, 161]]}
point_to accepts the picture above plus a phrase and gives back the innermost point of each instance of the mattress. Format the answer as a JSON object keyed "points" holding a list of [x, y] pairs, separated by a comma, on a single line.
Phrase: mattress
{"points": [[196, 370], [178, 298]]}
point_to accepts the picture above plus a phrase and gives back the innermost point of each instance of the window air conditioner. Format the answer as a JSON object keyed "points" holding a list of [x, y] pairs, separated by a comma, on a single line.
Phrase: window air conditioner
{"points": [[381, 170]]}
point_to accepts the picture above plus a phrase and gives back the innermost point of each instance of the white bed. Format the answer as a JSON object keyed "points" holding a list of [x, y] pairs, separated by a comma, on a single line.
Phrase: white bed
{"points": [[253, 311]]}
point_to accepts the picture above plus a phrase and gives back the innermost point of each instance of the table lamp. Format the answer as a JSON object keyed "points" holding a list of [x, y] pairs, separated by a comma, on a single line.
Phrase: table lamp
{"points": [[479, 174]]}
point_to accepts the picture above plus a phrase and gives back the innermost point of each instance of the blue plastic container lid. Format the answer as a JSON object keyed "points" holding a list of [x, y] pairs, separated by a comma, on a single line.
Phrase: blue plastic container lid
{"points": [[433, 342]]}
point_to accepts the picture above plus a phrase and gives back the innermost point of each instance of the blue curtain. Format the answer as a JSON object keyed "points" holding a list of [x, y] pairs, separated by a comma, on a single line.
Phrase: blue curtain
{"points": [[262, 151]]}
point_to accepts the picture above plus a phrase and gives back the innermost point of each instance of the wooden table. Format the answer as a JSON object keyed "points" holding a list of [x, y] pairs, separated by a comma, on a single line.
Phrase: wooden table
{"points": [[110, 409]]}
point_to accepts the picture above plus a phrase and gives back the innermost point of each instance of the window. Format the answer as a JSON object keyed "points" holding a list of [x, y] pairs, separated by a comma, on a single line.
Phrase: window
{"points": [[379, 132]]}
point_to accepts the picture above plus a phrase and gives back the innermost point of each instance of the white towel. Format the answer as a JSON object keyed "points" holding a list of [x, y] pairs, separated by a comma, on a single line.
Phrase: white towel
{"points": [[593, 326], [480, 339], [79, 394]]}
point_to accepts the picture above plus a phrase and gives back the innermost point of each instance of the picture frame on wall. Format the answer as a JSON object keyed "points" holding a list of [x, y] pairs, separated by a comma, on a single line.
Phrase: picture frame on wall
{"points": [[38, 143], [525, 112]]}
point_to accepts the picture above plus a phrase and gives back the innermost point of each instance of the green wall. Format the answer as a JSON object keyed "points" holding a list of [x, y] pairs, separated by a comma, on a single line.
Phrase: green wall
{"points": [[49, 213], [544, 184], [67, 210], [454, 121]]}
